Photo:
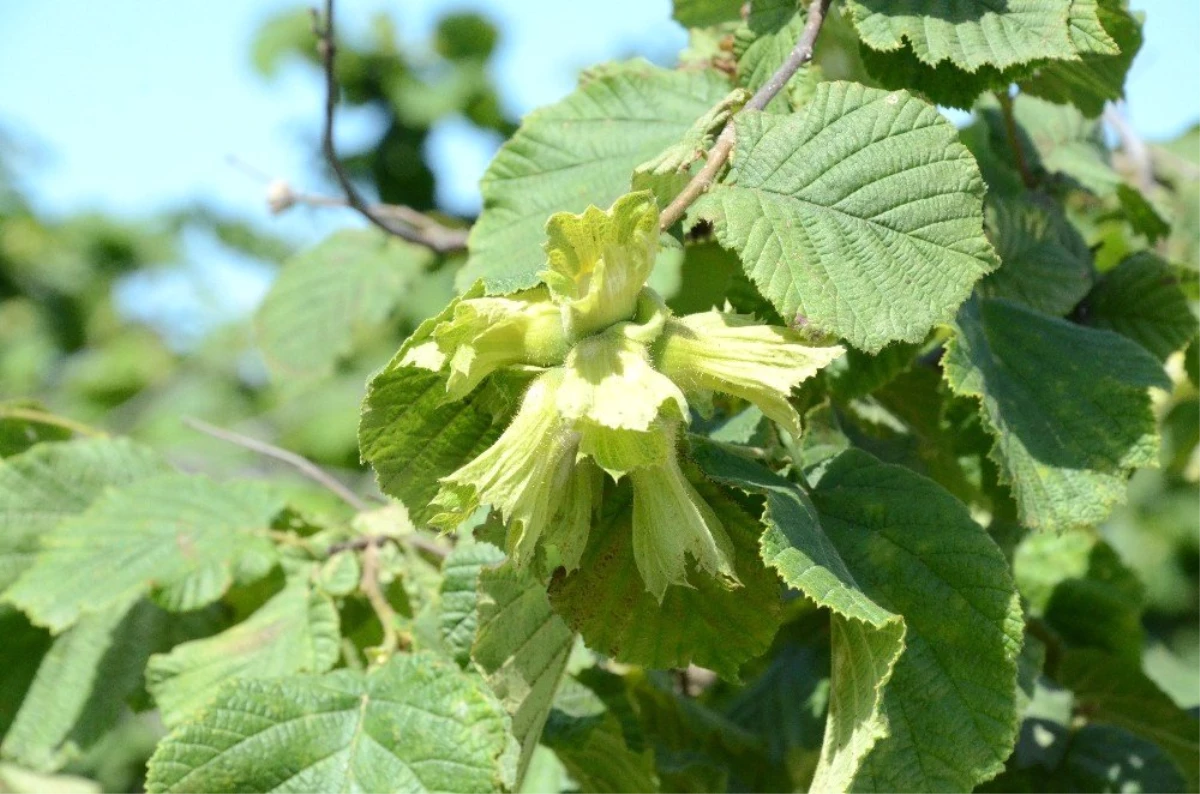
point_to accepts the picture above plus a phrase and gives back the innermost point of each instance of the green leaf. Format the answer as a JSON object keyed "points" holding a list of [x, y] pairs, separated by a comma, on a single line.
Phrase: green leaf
{"points": [[864, 215], [1107, 38], [458, 616], [787, 705], [15, 780], [587, 735], [1142, 216], [903, 567], [1068, 407], [415, 724], [1116, 692], [296, 631], [607, 602], [578, 152], [1141, 299], [1079, 586], [44, 485], [333, 295], [704, 13], [1107, 758], [522, 648], [764, 42], [989, 32], [412, 437], [20, 655], [18, 432], [81, 685], [1060, 140], [184, 538], [1045, 264]]}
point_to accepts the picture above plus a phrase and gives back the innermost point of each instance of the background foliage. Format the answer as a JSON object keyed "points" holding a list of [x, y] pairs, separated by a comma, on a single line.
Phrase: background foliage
{"points": [[976, 567]]}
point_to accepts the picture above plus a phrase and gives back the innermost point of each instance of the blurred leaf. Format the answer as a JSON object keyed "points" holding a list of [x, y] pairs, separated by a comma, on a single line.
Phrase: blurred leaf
{"points": [[82, 683], [1115, 692], [44, 485], [331, 296], [185, 538], [296, 631]]}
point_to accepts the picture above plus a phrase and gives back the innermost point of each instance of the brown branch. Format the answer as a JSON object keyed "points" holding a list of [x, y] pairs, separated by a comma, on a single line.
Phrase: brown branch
{"points": [[719, 153], [298, 462], [413, 226], [1014, 139], [416, 541]]}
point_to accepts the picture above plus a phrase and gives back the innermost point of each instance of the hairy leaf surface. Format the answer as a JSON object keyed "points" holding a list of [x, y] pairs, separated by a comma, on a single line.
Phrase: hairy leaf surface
{"points": [[416, 724], [863, 215], [578, 152]]}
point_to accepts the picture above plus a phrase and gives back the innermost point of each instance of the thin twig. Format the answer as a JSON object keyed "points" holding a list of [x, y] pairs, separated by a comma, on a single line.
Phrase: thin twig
{"points": [[801, 54], [369, 584], [44, 418], [1014, 139], [298, 462], [1135, 149], [425, 231], [415, 541]]}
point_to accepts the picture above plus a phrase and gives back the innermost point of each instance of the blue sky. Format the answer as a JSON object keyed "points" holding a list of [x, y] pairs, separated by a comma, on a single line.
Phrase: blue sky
{"points": [[128, 106]]}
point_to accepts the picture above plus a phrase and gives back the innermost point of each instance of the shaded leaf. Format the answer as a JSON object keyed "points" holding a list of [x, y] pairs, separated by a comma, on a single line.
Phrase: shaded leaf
{"points": [[1116, 692], [458, 616], [1045, 264], [296, 631], [607, 602], [1141, 299], [522, 648], [1068, 407]]}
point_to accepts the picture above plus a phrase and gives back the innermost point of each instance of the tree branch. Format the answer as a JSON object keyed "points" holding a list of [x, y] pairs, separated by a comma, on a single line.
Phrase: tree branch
{"points": [[399, 221], [719, 153], [298, 462], [1014, 139], [416, 541], [1135, 149]]}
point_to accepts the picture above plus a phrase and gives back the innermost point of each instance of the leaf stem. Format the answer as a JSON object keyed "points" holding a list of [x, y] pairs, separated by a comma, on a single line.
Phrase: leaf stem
{"points": [[298, 462], [403, 222], [369, 584], [1014, 139], [801, 54], [45, 418]]}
